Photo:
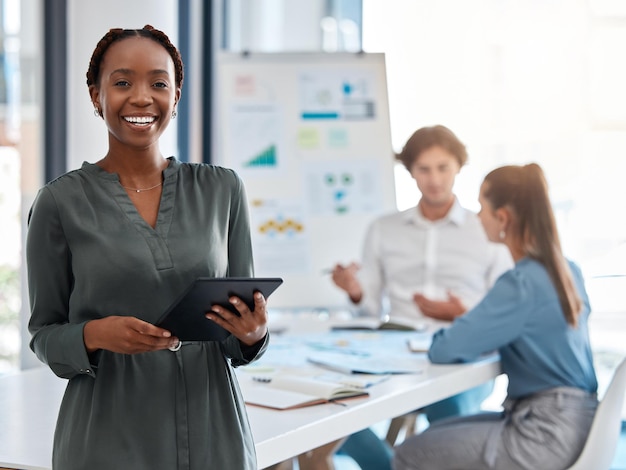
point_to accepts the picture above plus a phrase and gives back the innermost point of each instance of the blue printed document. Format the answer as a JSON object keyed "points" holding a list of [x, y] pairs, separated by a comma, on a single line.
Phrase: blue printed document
{"points": [[354, 364]]}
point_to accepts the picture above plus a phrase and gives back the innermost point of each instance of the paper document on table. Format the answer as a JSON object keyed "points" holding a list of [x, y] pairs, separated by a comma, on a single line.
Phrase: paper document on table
{"points": [[349, 364], [352, 380], [419, 344]]}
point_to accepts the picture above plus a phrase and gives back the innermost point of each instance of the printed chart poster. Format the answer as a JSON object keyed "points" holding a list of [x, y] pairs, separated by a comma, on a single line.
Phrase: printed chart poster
{"points": [[280, 240], [315, 139], [348, 187], [256, 139], [337, 96]]}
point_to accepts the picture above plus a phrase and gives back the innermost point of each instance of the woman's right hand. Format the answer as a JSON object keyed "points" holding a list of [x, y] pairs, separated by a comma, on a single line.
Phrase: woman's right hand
{"points": [[126, 335]]}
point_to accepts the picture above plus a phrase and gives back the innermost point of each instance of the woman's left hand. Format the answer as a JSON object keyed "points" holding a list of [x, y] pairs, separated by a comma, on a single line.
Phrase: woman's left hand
{"points": [[250, 326]]}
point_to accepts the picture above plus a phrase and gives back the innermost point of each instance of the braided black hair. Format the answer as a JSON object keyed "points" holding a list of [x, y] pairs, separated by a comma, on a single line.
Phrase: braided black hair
{"points": [[117, 34]]}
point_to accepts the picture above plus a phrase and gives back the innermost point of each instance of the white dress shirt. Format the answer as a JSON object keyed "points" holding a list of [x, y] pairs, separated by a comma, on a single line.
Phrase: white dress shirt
{"points": [[404, 254]]}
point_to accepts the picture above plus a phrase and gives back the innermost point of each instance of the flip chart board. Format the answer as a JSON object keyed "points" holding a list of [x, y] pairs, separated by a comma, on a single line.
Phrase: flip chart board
{"points": [[309, 134]]}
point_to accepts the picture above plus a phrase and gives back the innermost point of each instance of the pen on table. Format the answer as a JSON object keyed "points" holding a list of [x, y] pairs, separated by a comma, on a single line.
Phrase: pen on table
{"points": [[264, 380]]}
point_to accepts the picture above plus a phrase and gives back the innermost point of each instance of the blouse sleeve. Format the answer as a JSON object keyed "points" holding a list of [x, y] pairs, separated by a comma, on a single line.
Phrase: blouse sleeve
{"points": [[240, 260], [240, 264], [55, 340], [496, 321]]}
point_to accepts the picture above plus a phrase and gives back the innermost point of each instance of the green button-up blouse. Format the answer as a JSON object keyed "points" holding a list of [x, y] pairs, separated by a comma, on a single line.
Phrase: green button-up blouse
{"points": [[90, 255]]}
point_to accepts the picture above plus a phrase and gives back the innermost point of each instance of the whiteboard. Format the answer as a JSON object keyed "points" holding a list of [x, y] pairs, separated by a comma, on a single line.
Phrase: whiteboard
{"points": [[309, 135]]}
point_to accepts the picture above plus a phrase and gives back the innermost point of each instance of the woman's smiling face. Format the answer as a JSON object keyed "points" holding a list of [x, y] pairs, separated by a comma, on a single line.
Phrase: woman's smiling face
{"points": [[137, 91]]}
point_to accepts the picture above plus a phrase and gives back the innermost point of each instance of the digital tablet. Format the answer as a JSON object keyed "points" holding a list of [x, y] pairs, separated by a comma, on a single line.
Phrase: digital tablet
{"points": [[185, 318]]}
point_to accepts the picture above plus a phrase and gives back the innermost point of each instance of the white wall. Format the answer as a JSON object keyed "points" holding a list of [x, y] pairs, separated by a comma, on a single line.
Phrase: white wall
{"points": [[88, 21], [519, 81]]}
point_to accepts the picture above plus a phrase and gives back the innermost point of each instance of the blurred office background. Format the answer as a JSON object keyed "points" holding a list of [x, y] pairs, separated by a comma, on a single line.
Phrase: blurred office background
{"points": [[517, 80]]}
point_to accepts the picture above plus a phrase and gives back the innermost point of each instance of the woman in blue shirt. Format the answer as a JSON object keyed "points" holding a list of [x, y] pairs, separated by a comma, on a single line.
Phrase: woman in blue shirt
{"points": [[536, 317]]}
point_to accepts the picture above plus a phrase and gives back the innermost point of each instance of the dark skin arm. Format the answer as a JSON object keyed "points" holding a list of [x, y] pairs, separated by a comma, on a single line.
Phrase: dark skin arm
{"points": [[249, 327], [126, 335], [130, 335]]}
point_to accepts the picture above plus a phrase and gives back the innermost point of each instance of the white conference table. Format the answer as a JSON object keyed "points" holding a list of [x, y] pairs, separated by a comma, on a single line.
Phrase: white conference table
{"points": [[29, 403]]}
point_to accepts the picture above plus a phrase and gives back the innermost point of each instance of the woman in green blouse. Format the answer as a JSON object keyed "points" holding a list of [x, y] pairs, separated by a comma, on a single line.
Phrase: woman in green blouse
{"points": [[109, 247]]}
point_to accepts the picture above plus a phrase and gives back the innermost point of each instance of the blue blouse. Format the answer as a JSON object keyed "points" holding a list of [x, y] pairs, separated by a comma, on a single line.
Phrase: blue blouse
{"points": [[521, 317]]}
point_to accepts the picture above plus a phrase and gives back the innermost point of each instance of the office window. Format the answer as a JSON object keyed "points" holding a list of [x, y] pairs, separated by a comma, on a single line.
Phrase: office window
{"points": [[287, 26], [20, 165]]}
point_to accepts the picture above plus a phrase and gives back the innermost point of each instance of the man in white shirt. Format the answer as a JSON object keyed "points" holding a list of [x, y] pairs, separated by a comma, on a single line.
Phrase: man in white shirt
{"points": [[432, 262], [425, 265]]}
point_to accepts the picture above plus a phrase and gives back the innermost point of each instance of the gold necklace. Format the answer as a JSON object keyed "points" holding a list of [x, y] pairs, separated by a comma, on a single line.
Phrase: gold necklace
{"points": [[141, 190]]}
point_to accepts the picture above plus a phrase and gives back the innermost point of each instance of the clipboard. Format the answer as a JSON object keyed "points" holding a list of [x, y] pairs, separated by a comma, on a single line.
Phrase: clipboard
{"points": [[185, 318]]}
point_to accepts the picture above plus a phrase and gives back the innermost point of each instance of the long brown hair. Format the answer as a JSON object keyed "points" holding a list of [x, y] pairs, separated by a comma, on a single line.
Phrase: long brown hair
{"points": [[524, 191]]}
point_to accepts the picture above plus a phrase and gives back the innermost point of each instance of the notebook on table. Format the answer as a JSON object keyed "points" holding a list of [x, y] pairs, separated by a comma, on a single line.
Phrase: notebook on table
{"points": [[186, 319], [289, 392]]}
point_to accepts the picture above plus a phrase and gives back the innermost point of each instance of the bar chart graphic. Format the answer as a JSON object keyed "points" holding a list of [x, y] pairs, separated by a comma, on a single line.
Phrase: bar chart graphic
{"points": [[266, 157]]}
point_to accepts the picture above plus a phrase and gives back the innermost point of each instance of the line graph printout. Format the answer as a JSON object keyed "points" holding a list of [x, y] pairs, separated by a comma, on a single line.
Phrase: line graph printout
{"points": [[347, 95]]}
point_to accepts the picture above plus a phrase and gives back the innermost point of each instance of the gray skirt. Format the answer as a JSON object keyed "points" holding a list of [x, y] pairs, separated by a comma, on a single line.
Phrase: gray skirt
{"points": [[546, 430]]}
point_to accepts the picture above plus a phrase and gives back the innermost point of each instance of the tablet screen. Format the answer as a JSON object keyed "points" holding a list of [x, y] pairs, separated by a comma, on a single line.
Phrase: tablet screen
{"points": [[186, 319]]}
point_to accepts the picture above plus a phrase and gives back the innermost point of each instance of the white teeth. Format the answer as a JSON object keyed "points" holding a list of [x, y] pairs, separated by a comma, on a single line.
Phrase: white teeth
{"points": [[140, 120]]}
